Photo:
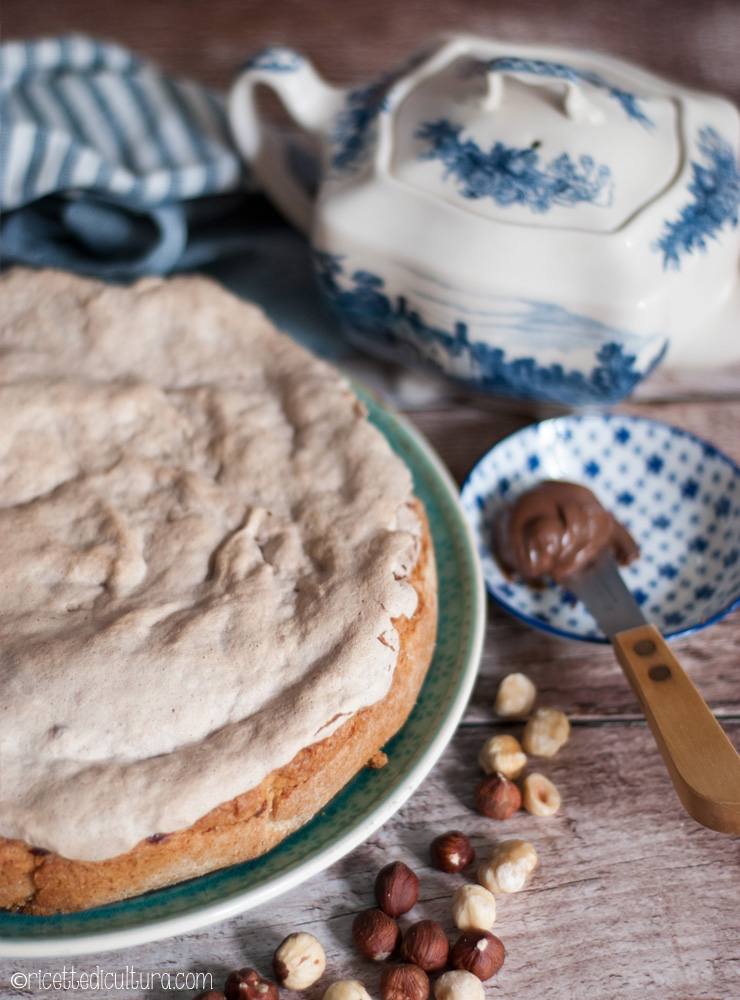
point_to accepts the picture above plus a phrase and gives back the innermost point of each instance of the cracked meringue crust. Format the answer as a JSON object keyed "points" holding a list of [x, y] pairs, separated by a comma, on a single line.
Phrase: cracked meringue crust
{"points": [[218, 588], [40, 882]]}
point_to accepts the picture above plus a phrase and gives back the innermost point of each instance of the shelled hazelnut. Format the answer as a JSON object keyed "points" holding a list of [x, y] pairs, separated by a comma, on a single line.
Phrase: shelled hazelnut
{"points": [[347, 989], [425, 944], [546, 731], [508, 866], [502, 753], [539, 796], [396, 888], [515, 697], [404, 982], [459, 985], [479, 952], [451, 852], [497, 797], [248, 984], [473, 908], [375, 934], [299, 961]]}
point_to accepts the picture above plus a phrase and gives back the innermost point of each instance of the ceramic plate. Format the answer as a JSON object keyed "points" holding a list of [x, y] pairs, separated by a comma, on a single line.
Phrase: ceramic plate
{"points": [[363, 805], [678, 496]]}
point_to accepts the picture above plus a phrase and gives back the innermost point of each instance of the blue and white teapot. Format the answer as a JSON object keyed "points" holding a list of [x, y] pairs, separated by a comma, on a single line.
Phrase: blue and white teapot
{"points": [[528, 221]]}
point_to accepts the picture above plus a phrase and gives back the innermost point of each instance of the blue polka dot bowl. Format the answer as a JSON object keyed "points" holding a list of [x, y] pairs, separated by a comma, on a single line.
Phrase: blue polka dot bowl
{"points": [[678, 496]]}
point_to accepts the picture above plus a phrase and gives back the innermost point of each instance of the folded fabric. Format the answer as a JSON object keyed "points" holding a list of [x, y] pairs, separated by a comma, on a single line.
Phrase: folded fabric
{"points": [[110, 167]]}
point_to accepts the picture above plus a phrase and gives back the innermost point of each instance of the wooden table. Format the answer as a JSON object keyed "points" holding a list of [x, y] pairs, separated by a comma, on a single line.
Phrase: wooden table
{"points": [[632, 899]]}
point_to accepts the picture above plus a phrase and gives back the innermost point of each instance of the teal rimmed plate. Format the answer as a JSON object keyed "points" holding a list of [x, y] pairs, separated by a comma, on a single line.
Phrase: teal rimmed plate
{"points": [[363, 805]]}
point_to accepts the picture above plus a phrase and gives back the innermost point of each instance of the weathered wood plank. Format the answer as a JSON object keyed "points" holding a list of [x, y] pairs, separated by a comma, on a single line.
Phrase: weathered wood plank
{"points": [[700, 383], [717, 421], [463, 434], [354, 42], [631, 897], [584, 679]]}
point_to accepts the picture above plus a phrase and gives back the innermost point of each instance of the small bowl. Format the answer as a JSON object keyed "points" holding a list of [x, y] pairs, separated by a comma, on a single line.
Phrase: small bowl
{"points": [[678, 496]]}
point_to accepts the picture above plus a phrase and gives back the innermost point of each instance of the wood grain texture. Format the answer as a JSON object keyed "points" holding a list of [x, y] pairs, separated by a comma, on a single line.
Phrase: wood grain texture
{"points": [[584, 679], [463, 434], [631, 898], [350, 42]]}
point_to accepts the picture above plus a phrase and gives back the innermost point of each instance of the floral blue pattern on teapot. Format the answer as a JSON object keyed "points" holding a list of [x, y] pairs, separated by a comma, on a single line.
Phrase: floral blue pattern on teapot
{"points": [[528, 221]]}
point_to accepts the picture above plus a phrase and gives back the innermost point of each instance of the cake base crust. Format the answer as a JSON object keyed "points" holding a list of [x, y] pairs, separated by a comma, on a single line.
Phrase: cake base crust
{"points": [[40, 882]]}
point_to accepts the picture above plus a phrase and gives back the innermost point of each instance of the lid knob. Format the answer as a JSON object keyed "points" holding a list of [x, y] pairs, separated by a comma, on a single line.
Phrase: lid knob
{"points": [[576, 105]]}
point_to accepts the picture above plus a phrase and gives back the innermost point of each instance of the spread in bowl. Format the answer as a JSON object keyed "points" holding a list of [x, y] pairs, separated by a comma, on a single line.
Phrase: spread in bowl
{"points": [[556, 528], [672, 491]]}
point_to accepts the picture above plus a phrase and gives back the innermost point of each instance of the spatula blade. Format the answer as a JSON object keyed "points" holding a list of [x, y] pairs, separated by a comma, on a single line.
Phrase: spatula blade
{"points": [[605, 594]]}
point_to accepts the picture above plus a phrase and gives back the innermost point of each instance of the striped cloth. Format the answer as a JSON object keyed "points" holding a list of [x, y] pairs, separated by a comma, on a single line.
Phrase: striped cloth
{"points": [[109, 167]]}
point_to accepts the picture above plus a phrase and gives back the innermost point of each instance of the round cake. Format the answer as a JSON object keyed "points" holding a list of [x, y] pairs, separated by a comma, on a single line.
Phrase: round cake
{"points": [[218, 588]]}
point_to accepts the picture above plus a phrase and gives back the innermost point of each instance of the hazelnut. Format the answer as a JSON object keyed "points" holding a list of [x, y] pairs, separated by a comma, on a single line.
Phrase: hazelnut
{"points": [[425, 944], [299, 961], [404, 982], [459, 985], [347, 989], [502, 753], [396, 888], [479, 952], [375, 934], [210, 995], [547, 729], [473, 908], [515, 697], [487, 877], [248, 984], [497, 797], [539, 796], [508, 866], [451, 852]]}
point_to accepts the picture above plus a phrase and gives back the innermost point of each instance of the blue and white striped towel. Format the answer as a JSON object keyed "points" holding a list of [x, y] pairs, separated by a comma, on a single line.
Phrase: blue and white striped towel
{"points": [[109, 167]]}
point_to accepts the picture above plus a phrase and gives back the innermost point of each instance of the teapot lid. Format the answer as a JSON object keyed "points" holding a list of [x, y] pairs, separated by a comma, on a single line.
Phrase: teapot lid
{"points": [[534, 141]]}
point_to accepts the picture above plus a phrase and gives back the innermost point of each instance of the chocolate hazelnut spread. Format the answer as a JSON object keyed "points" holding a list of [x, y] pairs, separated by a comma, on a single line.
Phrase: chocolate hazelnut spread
{"points": [[556, 528]]}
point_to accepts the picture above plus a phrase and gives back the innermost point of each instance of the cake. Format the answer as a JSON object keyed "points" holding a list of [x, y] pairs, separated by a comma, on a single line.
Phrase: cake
{"points": [[218, 587]]}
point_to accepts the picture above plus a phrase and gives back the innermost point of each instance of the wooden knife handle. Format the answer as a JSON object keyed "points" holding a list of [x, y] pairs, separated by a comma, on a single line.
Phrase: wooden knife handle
{"points": [[703, 764]]}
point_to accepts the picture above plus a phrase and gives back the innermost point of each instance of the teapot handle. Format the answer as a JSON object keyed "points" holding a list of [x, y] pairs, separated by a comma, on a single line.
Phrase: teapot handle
{"points": [[576, 104], [309, 101]]}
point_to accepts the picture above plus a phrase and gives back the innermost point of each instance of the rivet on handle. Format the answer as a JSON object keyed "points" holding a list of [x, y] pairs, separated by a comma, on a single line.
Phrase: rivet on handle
{"points": [[644, 647]]}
